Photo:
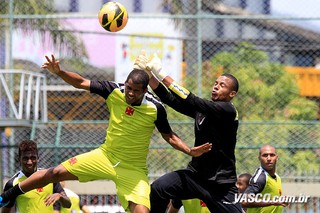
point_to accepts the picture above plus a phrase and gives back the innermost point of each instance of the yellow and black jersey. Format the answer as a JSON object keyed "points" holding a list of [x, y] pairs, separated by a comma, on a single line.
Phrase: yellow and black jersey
{"points": [[130, 127], [262, 182], [32, 201]]}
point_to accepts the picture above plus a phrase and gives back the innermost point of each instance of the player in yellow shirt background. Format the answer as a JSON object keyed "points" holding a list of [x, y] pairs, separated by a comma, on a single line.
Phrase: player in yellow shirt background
{"points": [[44, 199], [265, 181]]}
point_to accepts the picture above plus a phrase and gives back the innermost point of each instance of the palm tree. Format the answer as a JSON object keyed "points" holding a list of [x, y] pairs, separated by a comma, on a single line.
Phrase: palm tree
{"points": [[64, 41]]}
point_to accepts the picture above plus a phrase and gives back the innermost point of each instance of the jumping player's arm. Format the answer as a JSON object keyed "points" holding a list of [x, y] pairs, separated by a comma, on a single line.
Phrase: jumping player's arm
{"points": [[173, 139], [71, 78]]}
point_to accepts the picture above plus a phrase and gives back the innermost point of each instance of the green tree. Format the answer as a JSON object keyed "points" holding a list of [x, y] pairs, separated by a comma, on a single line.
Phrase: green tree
{"points": [[267, 91], [29, 24]]}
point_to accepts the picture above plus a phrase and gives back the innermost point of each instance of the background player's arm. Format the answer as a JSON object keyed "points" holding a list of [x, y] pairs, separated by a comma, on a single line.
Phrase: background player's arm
{"points": [[71, 78], [61, 197], [58, 195]]}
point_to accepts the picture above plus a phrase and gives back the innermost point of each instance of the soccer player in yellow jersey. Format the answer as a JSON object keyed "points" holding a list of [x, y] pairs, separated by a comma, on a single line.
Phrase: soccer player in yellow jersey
{"points": [[43, 199], [265, 181], [134, 113]]}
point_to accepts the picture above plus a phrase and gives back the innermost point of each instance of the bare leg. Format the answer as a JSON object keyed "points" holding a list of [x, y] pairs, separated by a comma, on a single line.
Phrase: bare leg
{"points": [[43, 177], [137, 208], [171, 209]]}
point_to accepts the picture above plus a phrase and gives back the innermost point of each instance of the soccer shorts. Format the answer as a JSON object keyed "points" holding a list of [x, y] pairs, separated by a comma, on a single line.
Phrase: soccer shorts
{"points": [[131, 184]]}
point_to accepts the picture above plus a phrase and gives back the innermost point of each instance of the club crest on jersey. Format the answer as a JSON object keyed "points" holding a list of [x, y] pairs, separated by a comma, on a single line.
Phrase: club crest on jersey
{"points": [[73, 161], [39, 189], [129, 111]]}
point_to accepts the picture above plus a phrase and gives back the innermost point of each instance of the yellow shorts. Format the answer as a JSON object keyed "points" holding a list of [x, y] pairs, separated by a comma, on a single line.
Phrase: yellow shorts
{"points": [[131, 184], [194, 206]]}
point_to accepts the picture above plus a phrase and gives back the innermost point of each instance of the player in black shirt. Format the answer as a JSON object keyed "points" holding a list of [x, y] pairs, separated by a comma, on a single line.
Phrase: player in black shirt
{"points": [[212, 176]]}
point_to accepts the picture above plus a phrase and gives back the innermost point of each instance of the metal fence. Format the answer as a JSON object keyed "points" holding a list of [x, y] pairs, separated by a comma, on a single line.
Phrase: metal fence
{"points": [[274, 57]]}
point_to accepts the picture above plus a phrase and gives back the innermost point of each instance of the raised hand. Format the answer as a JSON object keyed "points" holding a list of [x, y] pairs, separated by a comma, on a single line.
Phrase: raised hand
{"points": [[141, 62], [155, 66], [52, 65]]}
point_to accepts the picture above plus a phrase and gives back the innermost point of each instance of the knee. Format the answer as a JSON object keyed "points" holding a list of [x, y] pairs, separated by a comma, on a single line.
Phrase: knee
{"points": [[53, 173]]}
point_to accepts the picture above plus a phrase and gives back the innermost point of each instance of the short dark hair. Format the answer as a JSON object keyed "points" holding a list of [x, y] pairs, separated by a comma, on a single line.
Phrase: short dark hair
{"points": [[139, 77], [235, 82], [28, 145], [247, 176]]}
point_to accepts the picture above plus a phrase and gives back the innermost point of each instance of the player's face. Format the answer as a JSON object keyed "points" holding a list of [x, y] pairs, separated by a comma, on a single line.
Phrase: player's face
{"points": [[222, 89], [134, 93], [241, 184], [268, 158], [29, 161]]}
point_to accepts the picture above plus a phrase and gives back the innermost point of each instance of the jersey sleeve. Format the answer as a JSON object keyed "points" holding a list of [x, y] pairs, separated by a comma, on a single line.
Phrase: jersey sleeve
{"points": [[162, 122], [173, 100], [218, 109], [103, 88], [257, 182]]}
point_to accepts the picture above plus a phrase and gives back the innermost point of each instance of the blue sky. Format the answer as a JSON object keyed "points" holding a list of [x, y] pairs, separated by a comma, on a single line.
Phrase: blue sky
{"points": [[299, 8]]}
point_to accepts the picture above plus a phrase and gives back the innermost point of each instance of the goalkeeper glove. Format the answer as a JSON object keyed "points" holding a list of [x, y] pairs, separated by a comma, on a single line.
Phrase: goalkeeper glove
{"points": [[155, 66], [141, 63]]}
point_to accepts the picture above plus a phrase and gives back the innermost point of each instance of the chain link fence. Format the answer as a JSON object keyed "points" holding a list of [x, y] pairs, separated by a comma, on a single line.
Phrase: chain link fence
{"points": [[275, 58]]}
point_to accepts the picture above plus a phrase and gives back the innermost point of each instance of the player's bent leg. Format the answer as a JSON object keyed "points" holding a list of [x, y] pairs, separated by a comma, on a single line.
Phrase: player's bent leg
{"points": [[37, 180], [167, 187], [43, 177]]}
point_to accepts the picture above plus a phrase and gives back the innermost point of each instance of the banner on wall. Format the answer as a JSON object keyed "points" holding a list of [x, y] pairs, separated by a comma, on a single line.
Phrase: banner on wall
{"points": [[154, 36]]}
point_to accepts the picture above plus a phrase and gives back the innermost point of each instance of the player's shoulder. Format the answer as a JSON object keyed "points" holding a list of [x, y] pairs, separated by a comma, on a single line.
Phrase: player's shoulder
{"points": [[14, 180], [259, 176], [150, 97]]}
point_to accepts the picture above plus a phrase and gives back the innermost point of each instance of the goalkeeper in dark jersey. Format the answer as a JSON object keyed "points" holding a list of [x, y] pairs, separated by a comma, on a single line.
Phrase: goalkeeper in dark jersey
{"points": [[134, 113], [210, 177]]}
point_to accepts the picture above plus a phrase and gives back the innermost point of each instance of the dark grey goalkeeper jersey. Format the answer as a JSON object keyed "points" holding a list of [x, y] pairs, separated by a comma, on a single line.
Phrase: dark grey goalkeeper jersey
{"points": [[216, 122]]}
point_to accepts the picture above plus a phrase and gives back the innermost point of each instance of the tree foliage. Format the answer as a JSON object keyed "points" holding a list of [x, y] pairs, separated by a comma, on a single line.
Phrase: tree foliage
{"points": [[52, 31], [267, 91]]}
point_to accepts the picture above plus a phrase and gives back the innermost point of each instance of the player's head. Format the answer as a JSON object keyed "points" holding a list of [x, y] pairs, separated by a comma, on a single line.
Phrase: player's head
{"points": [[28, 156], [268, 158], [136, 86], [225, 88], [243, 182]]}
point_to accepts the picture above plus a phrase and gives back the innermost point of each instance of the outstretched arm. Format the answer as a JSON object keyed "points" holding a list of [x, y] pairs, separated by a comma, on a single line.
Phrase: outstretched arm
{"points": [[175, 141], [71, 78]]}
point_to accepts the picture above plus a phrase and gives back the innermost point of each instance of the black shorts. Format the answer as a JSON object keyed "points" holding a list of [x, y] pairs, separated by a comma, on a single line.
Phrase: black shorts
{"points": [[186, 184]]}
